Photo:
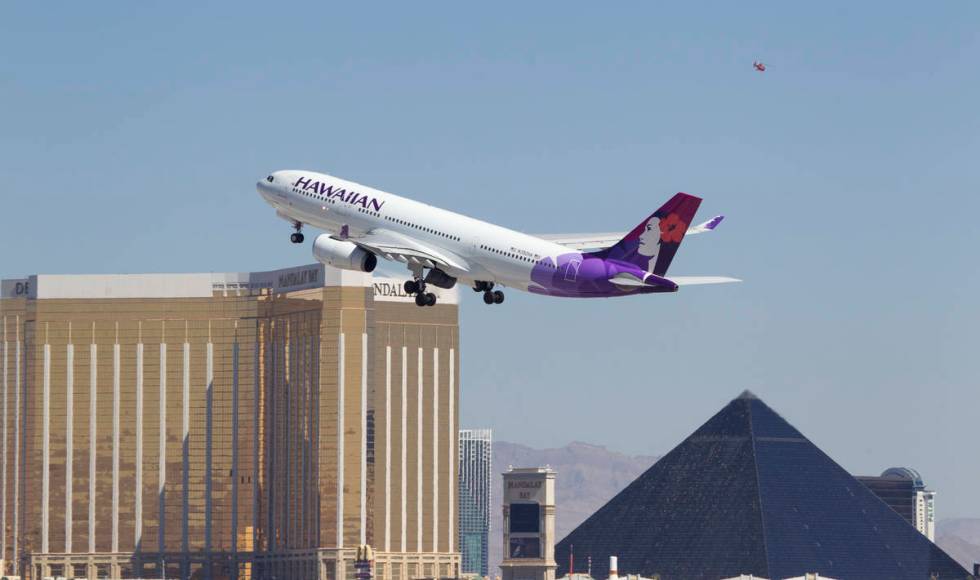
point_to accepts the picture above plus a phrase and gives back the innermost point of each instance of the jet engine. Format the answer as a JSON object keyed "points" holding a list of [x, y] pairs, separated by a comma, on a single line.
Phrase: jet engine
{"points": [[343, 255], [439, 278]]}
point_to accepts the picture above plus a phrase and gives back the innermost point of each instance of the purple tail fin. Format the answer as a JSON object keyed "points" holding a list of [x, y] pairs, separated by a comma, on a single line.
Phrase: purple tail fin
{"points": [[652, 244]]}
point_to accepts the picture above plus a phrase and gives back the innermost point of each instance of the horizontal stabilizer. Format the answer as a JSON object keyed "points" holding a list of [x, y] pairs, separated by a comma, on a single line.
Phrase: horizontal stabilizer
{"points": [[698, 280], [600, 241], [706, 226]]}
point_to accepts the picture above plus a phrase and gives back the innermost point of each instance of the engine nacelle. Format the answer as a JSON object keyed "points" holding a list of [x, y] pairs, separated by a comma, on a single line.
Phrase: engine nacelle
{"points": [[440, 279], [343, 255]]}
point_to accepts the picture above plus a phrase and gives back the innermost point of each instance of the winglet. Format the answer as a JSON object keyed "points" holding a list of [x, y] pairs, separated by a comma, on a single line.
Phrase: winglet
{"points": [[706, 226]]}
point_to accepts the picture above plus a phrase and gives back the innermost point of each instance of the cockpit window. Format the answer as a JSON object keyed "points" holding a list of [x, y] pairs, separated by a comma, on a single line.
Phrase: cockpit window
{"points": [[269, 179]]}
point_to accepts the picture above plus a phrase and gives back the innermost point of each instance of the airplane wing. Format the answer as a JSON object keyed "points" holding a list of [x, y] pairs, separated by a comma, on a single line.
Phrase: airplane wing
{"points": [[627, 280], [601, 241], [401, 248], [583, 242]]}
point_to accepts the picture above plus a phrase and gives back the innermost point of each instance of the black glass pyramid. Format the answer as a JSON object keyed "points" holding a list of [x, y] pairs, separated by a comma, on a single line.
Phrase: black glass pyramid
{"points": [[748, 494]]}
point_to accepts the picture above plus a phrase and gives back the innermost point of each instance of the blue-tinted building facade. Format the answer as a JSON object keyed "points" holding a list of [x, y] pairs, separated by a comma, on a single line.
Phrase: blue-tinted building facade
{"points": [[475, 465]]}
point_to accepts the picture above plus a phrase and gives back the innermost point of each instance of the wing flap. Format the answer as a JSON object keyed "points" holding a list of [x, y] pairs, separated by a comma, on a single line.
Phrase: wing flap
{"points": [[397, 247]]}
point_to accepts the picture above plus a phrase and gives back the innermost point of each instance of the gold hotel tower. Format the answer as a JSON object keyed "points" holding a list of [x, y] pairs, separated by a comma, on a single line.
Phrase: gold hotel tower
{"points": [[248, 425]]}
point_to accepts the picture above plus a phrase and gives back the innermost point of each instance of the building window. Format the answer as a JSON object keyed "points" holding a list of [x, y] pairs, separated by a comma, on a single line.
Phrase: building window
{"points": [[525, 548], [524, 518]]}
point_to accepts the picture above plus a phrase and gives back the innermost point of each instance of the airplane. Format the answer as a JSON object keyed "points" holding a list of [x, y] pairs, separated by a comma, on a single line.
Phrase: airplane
{"points": [[442, 248]]}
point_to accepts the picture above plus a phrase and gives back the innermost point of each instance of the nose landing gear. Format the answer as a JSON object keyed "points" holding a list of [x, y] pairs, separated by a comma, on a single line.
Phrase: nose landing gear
{"points": [[297, 236]]}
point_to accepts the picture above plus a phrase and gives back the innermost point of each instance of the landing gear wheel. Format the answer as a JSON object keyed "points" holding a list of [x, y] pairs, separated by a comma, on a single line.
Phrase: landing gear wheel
{"points": [[488, 297], [425, 299], [482, 286], [296, 238], [415, 287], [498, 297]]}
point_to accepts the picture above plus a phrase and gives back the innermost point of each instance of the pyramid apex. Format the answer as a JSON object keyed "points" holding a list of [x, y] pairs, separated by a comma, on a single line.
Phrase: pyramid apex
{"points": [[747, 394]]}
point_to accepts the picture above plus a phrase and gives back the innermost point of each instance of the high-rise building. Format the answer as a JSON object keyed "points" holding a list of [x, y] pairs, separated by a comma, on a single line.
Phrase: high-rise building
{"points": [[747, 493], [529, 524], [227, 425], [903, 490], [475, 484]]}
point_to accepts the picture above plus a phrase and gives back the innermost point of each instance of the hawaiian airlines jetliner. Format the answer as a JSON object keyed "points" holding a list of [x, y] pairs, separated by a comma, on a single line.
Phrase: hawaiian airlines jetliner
{"points": [[441, 247]]}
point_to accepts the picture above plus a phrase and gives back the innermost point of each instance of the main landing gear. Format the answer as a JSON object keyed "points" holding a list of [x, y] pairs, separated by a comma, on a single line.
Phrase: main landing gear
{"points": [[422, 298], [297, 236], [490, 296]]}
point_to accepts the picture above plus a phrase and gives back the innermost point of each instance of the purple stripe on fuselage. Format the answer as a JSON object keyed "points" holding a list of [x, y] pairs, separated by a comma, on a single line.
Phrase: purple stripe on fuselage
{"points": [[587, 276]]}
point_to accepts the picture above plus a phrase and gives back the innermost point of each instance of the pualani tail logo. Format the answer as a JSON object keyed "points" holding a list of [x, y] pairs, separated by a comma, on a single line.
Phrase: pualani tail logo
{"points": [[351, 197]]}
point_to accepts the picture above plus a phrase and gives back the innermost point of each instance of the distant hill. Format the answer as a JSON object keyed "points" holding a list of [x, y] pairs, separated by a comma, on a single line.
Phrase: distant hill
{"points": [[960, 538], [588, 477]]}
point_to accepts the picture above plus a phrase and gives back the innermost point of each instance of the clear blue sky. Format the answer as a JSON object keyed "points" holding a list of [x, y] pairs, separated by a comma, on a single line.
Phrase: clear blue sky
{"points": [[132, 135]]}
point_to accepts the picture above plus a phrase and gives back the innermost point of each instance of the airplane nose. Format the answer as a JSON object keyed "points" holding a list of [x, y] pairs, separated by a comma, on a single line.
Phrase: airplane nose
{"points": [[263, 188]]}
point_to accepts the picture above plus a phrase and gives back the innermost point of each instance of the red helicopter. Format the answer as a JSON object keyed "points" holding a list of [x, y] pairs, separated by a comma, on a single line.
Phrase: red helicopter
{"points": [[759, 66]]}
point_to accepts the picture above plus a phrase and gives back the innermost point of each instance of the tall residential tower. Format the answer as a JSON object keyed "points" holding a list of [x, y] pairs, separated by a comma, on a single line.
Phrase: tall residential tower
{"points": [[903, 490]]}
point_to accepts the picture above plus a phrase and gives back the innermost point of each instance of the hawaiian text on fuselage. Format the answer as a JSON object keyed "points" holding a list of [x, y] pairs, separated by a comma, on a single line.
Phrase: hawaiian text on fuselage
{"points": [[330, 192]]}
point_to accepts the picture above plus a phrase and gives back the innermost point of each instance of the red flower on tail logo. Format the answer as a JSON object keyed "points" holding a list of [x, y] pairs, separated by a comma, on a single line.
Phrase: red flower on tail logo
{"points": [[672, 229]]}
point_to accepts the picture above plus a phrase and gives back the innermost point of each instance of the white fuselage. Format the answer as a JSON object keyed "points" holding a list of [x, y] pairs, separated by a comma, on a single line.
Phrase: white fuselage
{"points": [[486, 251]]}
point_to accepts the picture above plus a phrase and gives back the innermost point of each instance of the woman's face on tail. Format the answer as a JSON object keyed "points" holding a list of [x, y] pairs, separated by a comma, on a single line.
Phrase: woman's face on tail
{"points": [[650, 238]]}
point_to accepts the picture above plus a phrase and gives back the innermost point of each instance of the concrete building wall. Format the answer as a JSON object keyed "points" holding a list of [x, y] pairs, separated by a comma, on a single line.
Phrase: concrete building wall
{"points": [[416, 402], [13, 308]]}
